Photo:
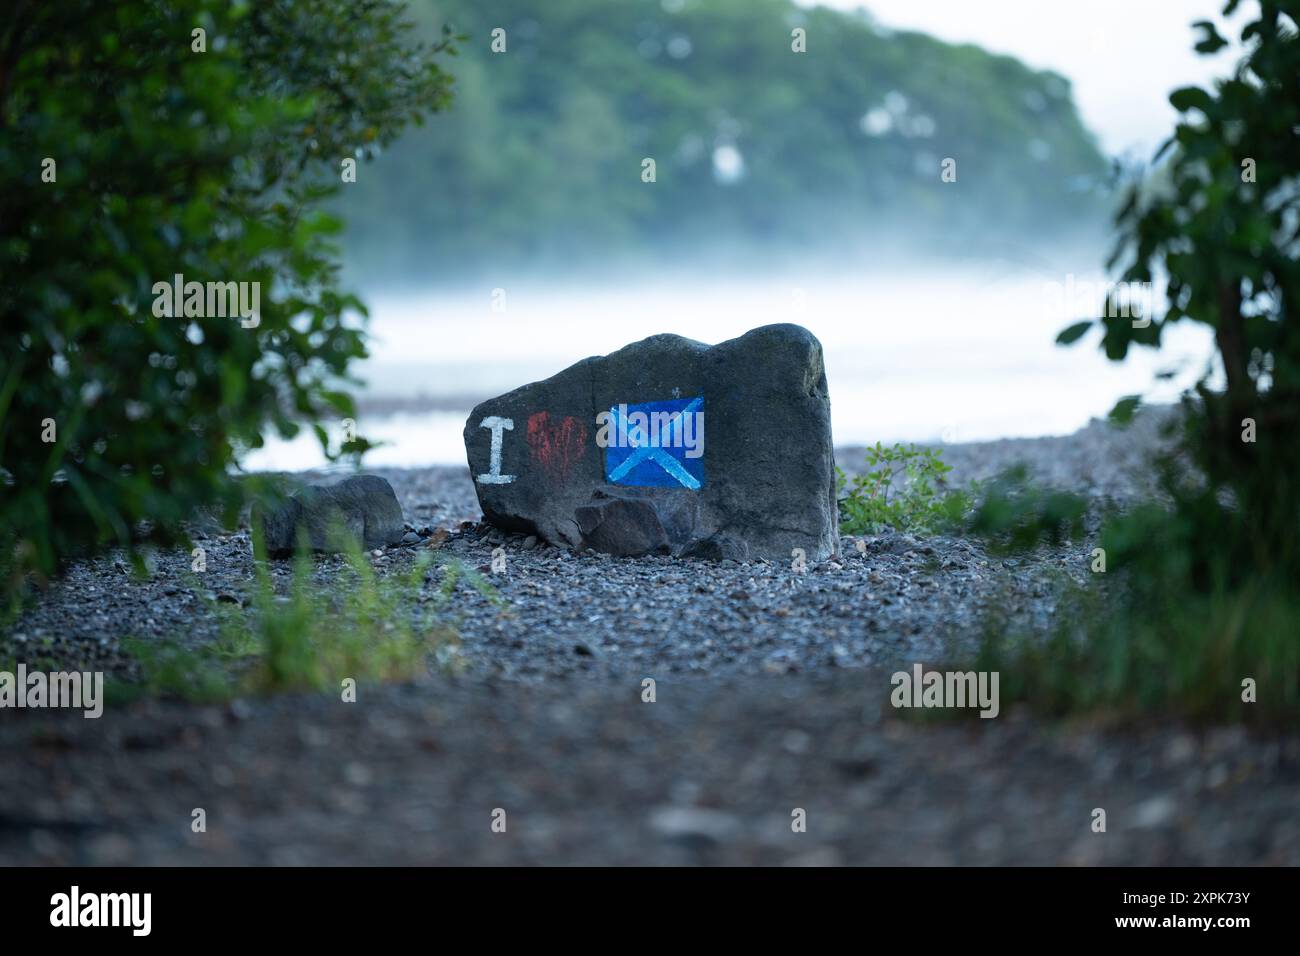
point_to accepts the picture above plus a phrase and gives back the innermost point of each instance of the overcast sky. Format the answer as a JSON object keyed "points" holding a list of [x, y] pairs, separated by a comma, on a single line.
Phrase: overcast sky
{"points": [[1123, 56]]}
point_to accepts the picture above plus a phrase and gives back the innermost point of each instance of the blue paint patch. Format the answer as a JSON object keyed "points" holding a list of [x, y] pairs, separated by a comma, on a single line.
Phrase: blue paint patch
{"points": [[657, 444]]}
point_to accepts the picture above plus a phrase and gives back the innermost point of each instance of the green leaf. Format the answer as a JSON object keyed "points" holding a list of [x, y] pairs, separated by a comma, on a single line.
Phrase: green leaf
{"points": [[1074, 332], [1192, 98], [1212, 42], [1125, 409]]}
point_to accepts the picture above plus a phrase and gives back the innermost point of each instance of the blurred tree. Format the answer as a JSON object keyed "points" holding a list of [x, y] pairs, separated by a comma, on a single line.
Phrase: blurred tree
{"points": [[1206, 594], [840, 145], [145, 139], [1223, 225]]}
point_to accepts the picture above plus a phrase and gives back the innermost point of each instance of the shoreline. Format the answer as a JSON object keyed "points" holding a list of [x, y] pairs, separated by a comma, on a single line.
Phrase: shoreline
{"points": [[772, 691], [902, 585]]}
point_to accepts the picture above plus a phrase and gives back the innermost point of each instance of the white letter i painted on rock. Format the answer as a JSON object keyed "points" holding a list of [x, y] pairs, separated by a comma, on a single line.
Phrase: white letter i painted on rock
{"points": [[498, 425]]}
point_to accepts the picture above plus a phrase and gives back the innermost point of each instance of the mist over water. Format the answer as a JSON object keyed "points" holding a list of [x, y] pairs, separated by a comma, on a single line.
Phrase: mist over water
{"points": [[821, 189], [918, 352]]}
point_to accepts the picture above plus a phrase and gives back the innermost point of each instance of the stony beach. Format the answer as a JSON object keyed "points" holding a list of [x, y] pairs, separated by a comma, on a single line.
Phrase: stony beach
{"points": [[771, 696]]}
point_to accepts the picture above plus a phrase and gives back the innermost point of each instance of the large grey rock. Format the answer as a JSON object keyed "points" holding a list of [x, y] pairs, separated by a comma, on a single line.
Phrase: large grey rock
{"points": [[763, 486], [362, 506]]}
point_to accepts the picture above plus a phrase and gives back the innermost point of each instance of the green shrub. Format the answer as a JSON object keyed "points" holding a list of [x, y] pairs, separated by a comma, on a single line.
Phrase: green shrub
{"points": [[1202, 591], [902, 487], [168, 160], [1226, 232], [1189, 654]]}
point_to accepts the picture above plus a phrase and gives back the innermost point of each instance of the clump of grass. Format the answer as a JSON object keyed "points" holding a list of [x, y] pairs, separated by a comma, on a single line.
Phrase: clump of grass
{"points": [[1193, 656], [1179, 617], [169, 668], [904, 487], [311, 637]]}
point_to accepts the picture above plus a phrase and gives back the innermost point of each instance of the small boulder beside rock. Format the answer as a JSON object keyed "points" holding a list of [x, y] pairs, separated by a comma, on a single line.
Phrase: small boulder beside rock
{"points": [[362, 507]]}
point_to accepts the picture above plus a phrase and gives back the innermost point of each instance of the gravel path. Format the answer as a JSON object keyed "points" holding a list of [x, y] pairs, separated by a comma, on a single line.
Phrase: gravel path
{"points": [[771, 693], [589, 774]]}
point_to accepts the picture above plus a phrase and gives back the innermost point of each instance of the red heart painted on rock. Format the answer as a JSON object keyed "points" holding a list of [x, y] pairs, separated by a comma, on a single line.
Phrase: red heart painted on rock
{"points": [[556, 446]]}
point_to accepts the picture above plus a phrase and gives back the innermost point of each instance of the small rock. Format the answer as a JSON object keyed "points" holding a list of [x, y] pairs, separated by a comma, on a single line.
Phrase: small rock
{"points": [[796, 741], [679, 823], [1181, 749], [364, 507], [721, 548], [1154, 812], [357, 774], [1217, 776], [240, 709]]}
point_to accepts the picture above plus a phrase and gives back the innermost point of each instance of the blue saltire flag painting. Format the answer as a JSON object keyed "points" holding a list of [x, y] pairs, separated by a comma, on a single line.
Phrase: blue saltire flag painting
{"points": [[655, 444]]}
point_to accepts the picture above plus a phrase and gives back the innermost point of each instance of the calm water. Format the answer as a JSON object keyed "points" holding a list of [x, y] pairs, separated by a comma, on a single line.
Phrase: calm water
{"points": [[938, 355]]}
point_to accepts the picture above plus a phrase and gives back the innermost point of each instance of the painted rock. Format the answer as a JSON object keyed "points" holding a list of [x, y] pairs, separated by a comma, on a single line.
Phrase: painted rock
{"points": [[668, 446]]}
